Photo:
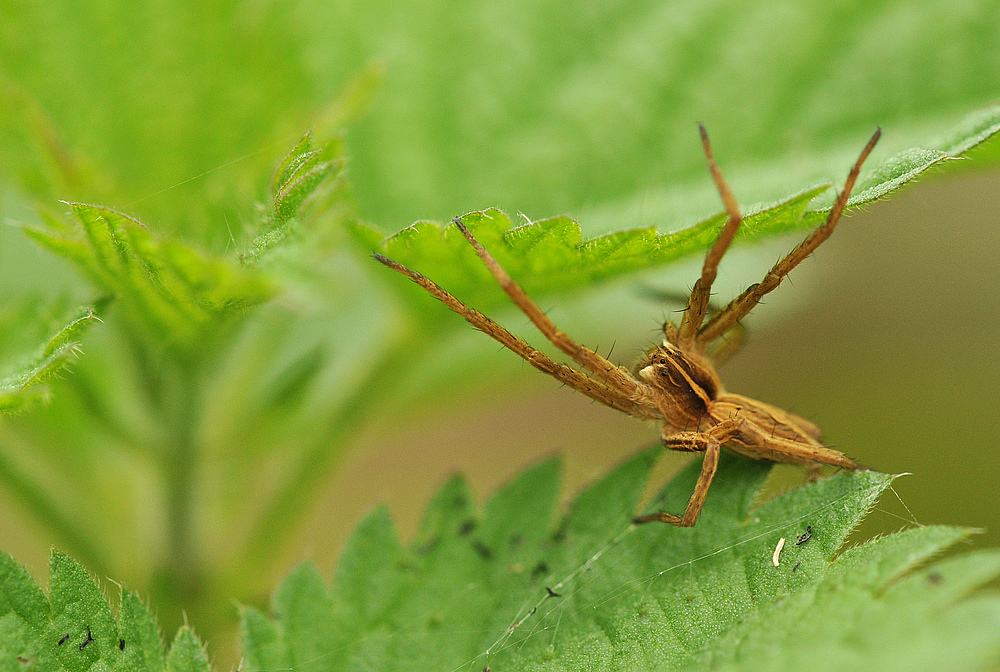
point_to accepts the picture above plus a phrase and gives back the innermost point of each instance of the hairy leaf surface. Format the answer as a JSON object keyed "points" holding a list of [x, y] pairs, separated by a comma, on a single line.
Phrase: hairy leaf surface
{"points": [[551, 255], [170, 289], [74, 630], [28, 381], [513, 588]]}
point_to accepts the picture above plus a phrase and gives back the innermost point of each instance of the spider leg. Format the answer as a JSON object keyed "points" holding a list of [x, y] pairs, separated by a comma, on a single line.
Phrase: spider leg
{"points": [[697, 304], [710, 442], [744, 303], [728, 345], [595, 389], [613, 376]]}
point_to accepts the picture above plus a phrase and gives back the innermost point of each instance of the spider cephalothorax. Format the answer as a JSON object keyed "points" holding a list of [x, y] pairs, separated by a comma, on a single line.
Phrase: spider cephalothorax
{"points": [[676, 382], [687, 385]]}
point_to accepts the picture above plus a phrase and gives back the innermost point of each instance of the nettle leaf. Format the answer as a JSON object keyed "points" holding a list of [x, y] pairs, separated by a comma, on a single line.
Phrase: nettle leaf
{"points": [[179, 293], [27, 384], [507, 588], [549, 108], [74, 629], [550, 255], [298, 176], [561, 108]]}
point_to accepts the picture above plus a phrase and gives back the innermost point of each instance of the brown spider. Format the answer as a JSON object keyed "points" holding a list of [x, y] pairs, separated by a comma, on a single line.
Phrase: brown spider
{"points": [[676, 382]]}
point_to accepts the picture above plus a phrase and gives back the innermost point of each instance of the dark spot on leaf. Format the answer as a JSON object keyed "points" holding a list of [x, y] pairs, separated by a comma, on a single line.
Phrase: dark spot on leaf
{"points": [[465, 528], [484, 551], [22, 659], [428, 546], [560, 534], [934, 578], [516, 540], [552, 593], [406, 565], [121, 644], [460, 501], [63, 639], [540, 570], [803, 538], [796, 565]]}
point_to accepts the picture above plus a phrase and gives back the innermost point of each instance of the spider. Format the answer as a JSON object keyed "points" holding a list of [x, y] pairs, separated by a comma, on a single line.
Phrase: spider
{"points": [[676, 383]]}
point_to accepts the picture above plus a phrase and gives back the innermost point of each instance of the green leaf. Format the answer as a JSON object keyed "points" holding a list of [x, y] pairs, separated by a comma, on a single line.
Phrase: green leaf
{"points": [[509, 589], [187, 654], [297, 177], [575, 108], [28, 383], [75, 630], [541, 108], [177, 293], [546, 108], [551, 255], [143, 646]]}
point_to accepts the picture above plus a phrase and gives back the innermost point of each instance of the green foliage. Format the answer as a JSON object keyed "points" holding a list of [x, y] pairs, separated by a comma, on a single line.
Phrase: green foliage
{"points": [[514, 587], [510, 588], [591, 110], [179, 310], [74, 629], [568, 108], [168, 288], [28, 383], [185, 452], [550, 255], [298, 176], [182, 309], [296, 179]]}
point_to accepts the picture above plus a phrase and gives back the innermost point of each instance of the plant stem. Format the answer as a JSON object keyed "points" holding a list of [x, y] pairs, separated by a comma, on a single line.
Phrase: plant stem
{"points": [[182, 562], [283, 515]]}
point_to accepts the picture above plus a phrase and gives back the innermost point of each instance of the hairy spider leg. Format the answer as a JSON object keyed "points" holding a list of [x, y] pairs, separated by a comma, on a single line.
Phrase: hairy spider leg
{"points": [[614, 376], [728, 345], [747, 438], [595, 389], [710, 443], [697, 304], [744, 303]]}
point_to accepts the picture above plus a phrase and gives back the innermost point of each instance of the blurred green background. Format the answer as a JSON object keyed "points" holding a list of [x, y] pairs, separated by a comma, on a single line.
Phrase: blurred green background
{"points": [[178, 112]]}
